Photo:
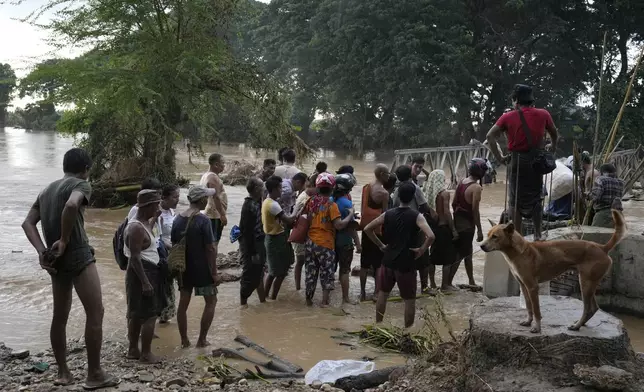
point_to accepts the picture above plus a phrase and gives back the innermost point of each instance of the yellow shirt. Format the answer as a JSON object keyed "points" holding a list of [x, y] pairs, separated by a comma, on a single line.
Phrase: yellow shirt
{"points": [[270, 210]]}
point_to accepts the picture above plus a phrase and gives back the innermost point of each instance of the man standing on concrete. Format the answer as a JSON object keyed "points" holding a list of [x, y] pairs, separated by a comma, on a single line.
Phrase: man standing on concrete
{"points": [[70, 261], [526, 184], [144, 279], [217, 204], [606, 194]]}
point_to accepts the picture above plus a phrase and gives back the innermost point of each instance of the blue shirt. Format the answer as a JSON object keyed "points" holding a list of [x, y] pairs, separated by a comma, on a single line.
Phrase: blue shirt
{"points": [[342, 237]]}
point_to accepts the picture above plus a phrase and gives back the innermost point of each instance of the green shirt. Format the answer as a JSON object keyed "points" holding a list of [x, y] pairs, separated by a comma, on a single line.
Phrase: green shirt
{"points": [[50, 203]]}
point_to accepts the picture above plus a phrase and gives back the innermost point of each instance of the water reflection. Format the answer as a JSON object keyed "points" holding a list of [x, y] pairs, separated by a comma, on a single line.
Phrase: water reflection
{"points": [[30, 160]]}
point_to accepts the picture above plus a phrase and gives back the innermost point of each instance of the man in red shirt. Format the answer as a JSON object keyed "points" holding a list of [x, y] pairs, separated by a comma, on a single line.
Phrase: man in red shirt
{"points": [[526, 185]]}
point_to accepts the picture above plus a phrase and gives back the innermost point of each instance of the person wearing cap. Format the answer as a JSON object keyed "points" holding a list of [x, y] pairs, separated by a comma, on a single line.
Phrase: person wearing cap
{"points": [[70, 261], [201, 275], [525, 184], [324, 218], [144, 278], [252, 253], [279, 253], [347, 238], [467, 221]]}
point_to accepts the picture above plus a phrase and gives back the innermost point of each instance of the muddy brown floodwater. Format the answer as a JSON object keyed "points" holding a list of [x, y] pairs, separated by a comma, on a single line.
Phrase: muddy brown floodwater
{"points": [[30, 160]]}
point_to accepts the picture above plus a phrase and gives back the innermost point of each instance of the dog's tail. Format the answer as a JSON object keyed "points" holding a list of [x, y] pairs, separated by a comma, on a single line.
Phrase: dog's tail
{"points": [[620, 230]]}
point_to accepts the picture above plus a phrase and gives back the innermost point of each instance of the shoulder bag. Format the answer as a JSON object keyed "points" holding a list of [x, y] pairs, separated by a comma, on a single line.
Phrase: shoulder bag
{"points": [[543, 162], [177, 255]]}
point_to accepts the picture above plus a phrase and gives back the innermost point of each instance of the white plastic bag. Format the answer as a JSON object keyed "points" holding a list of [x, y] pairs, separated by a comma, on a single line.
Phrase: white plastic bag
{"points": [[327, 372], [562, 182]]}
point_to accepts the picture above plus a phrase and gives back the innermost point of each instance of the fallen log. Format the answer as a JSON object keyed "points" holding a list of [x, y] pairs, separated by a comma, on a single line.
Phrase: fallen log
{"points": [[234, 354], [258, 374], [367, 380], [282, 362]]}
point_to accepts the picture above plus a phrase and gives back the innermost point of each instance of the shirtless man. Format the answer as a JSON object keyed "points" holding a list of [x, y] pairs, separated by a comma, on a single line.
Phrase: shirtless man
{"points": [[590, 174], [217, 204], [375, 200], [467, 220]]}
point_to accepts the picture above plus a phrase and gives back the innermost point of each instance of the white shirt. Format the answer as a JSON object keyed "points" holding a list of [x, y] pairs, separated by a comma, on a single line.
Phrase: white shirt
{"points": [[286, 171], [151, 253]]}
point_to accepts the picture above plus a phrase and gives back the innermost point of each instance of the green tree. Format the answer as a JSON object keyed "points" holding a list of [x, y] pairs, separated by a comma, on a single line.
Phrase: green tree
{"points": [[155, 69], [7, 85]]}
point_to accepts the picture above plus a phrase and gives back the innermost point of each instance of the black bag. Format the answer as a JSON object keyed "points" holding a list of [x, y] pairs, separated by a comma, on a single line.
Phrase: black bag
{"points": [[118, 243], [543, 162]]}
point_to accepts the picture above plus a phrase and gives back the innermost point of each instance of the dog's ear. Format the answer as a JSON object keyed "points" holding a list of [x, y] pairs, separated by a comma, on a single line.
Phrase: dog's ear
{"points": [[491, 222], [509, 228]]}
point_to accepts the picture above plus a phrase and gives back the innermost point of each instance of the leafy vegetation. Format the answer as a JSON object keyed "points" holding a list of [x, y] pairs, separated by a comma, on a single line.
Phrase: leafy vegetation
{"points": [[337, 73], [413, 73], [154, 71], [7, 84]]}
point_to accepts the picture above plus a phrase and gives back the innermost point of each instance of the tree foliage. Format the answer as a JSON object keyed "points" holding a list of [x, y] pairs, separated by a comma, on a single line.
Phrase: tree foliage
{"points": [[7, 85], [154, 70], [412, 73]]}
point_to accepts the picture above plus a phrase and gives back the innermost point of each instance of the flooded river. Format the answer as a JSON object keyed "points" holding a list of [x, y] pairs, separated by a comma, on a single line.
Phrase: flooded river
{"points": [[30, 160]]}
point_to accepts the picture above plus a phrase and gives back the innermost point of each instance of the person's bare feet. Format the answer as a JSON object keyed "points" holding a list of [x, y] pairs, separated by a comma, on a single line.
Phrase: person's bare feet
{"points": [[363, 296], [133, 354], [100, 380], [309, 302], [64, 378], [449, 289], [244, 306], [348, 301], [202, 343], [323, 305], [149, 359], [185, 343]]}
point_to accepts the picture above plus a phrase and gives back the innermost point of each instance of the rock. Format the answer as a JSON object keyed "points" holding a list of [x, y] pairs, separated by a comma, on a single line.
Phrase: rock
{"points": [[146, 377], [128, 387], [243, 381], [128, 376], [316, 385], [20, 354], [1, 366], [496, 337], [604, 378], [174, 387], [26, 380], [176, 381]]}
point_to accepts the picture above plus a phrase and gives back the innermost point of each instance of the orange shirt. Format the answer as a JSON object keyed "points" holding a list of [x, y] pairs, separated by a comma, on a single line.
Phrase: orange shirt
{"points": [[322, 231]]}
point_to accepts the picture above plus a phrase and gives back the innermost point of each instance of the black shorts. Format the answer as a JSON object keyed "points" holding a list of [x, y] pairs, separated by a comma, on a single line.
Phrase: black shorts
{"points": [[217, 228], [463, 244], [371, 256]]}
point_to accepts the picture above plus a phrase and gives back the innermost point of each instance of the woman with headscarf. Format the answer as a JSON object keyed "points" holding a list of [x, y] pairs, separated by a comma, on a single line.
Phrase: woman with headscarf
{"points": [[443, 251]]}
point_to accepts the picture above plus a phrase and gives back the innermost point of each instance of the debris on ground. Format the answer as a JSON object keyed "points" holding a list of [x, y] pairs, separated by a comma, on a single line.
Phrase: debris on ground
{"points": [[238, 172]]}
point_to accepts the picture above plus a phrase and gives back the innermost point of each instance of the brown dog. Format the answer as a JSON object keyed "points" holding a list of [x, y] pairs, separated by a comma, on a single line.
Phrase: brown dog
{"points": [[535, 262]]}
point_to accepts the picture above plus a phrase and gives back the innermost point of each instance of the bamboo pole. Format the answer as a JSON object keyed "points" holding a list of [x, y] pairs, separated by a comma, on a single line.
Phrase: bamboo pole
{"points": [[627, 96], [608, 147]]}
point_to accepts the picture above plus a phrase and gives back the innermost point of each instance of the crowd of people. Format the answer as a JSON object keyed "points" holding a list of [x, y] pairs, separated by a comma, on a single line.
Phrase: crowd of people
{"points": [[288, 220]]}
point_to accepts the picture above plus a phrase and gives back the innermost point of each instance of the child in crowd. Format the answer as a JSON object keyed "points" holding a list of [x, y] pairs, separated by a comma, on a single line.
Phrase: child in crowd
{"points": [[279, 253], [345, 239]]}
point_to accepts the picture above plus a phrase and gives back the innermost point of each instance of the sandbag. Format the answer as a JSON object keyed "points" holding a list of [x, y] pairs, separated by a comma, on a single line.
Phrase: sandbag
{"points": [[562, 182]]}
